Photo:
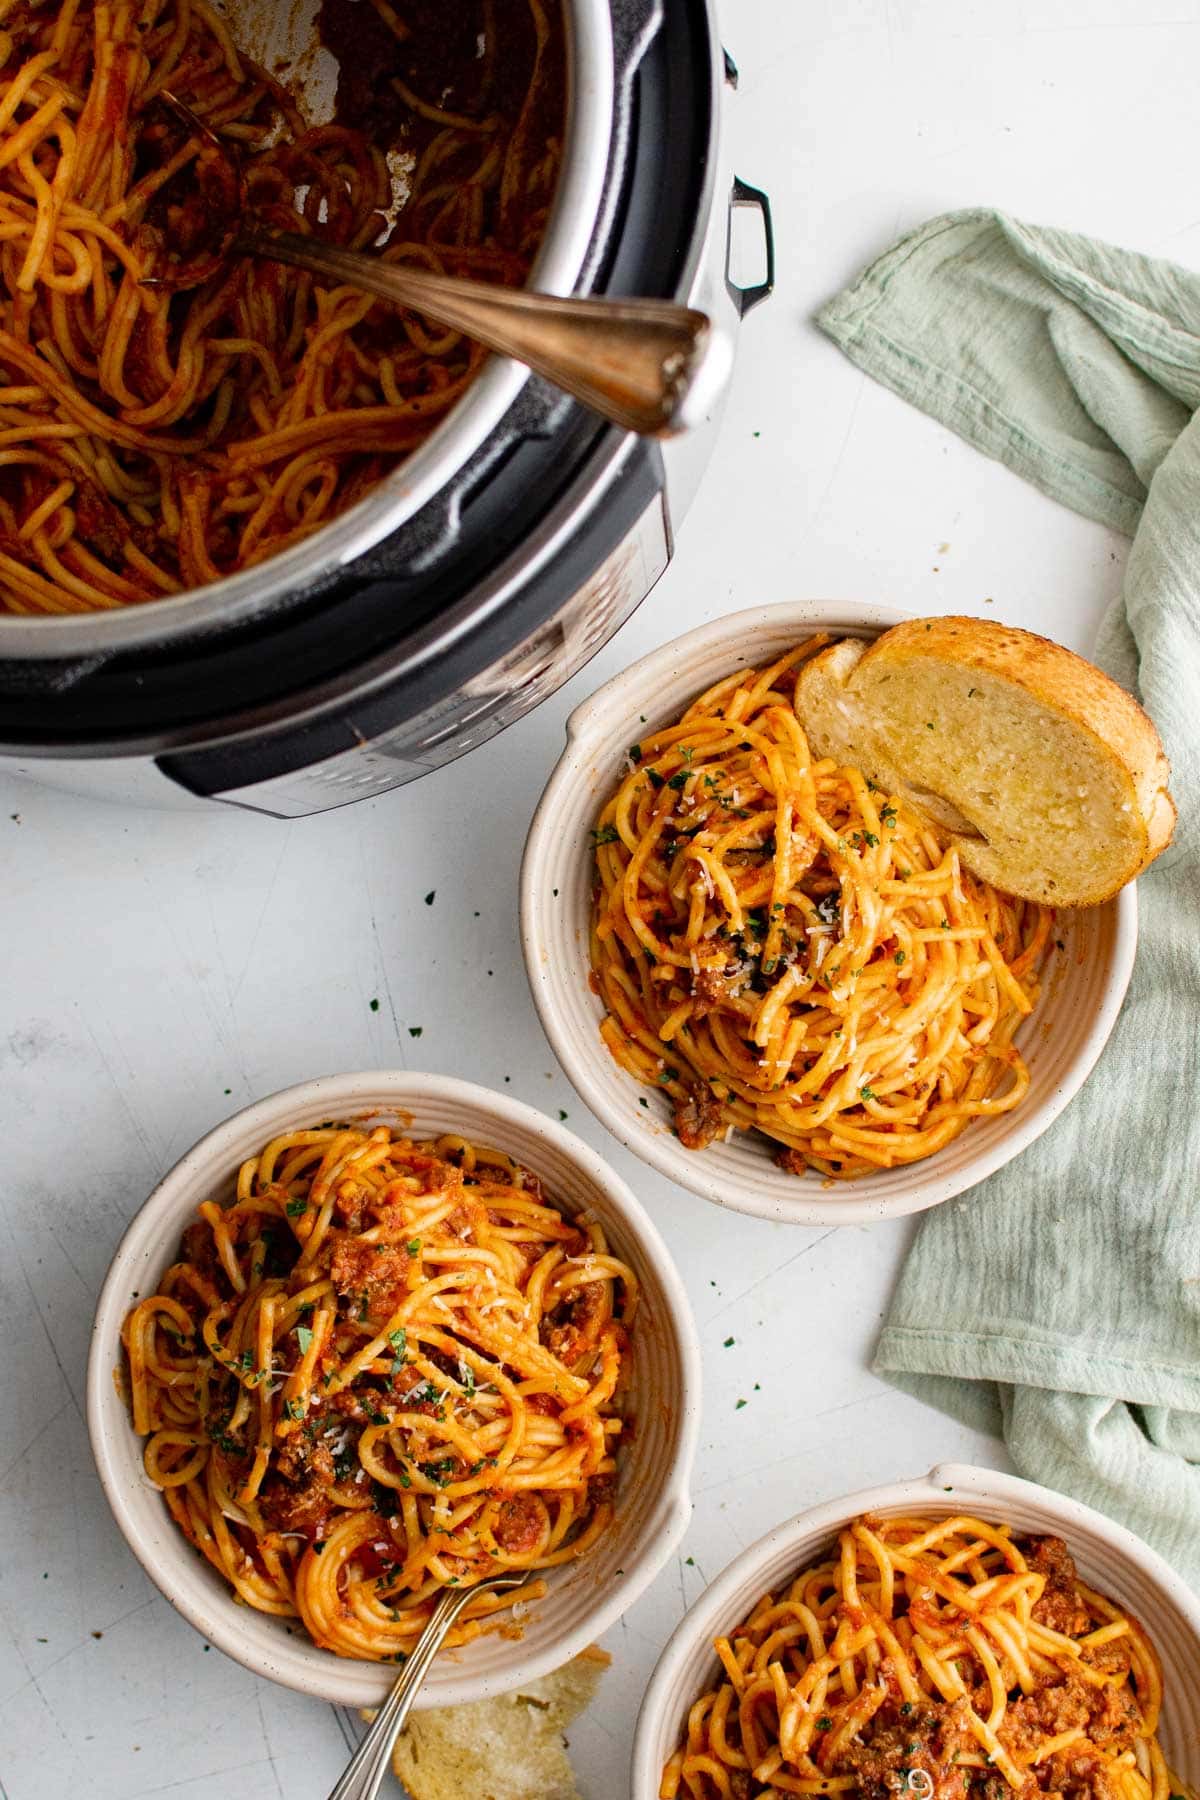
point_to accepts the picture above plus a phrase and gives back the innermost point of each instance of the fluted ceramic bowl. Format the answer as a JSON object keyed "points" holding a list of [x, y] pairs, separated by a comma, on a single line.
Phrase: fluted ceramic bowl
{"points": [[1109, 1558], [662, 1395], [1084, 987]]}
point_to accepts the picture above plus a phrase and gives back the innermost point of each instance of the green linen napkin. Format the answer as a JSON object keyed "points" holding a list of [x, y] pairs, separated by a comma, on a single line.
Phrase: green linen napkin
{"points": [[1060, 1302]]}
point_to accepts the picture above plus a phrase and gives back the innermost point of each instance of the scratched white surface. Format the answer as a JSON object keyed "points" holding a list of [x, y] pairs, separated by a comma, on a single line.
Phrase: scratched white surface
{"points": [[160, 970]]}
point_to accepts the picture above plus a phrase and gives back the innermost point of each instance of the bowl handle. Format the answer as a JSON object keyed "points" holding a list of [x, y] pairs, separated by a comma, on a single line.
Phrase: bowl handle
{"points": [[965, 1477], [581, 721]]}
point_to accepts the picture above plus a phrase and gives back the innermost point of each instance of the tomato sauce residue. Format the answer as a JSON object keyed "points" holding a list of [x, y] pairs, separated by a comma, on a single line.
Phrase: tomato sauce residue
{"points": [[471, 59]]}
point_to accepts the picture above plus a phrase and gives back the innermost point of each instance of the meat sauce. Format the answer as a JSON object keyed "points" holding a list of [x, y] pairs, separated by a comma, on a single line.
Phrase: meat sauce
{"points": [[300, 1496], [902, 1737]]}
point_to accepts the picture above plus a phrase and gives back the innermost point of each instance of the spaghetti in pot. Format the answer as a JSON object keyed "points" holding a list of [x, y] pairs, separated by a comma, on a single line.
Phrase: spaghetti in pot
{"points": [[387, 1367], [781, 947], [930, 1660], [154, 438]]}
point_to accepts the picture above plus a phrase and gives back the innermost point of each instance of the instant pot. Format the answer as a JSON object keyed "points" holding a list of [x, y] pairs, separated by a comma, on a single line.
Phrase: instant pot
{"points": [[485, 570]]}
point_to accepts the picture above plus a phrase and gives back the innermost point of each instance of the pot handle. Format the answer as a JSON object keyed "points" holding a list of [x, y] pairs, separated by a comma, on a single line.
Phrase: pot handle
{"points": [[747, 298]]}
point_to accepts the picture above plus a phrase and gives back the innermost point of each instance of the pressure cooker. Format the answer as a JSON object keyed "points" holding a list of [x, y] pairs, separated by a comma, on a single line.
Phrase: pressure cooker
{"points": [[488, 567]]}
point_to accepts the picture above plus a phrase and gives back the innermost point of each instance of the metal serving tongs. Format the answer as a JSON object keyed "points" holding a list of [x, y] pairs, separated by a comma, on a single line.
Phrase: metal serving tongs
{"points": [[650, 366], [370, 1762]]}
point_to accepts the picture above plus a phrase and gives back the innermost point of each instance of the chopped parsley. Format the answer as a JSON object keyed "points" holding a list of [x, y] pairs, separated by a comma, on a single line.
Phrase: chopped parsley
{"points": [[607, 834], [430, 896], [218, 1434], [415, 1030], [438, 1472], [898, 958], [304, 1338], [728, 1343], [678, 781], [387, 1506], [635, 753], [413, 1246], [295, 1207], [867, 1093], [374, 1006]]}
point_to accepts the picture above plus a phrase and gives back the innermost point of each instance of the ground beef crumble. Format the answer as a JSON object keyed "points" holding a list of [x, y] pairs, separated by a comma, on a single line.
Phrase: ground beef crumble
{"points": [[699, 1118]]}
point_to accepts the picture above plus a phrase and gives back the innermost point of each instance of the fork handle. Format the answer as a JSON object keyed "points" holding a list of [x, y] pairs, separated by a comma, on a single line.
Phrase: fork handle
{"points": [[370, 1762], [650, 366]]}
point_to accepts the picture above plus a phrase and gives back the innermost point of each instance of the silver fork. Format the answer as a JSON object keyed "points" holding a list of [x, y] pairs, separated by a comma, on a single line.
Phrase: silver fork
{"points": [[370, 1762]]}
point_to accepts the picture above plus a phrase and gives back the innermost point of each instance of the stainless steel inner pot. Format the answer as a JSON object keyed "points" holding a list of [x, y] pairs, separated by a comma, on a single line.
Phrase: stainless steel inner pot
{"points": [[283, 35]]}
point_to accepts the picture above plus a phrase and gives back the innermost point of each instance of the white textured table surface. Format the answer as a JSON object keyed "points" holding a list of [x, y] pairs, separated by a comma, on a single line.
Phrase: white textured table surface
{"points": [[160, 970]]}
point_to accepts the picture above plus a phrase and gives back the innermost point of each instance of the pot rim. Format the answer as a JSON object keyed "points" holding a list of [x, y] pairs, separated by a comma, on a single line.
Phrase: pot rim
{"points": [[253, 591]]}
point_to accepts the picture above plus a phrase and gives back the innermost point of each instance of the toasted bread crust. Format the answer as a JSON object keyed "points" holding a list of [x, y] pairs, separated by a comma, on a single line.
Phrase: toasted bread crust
{"points": [[1069, 689], [1063, 681]]}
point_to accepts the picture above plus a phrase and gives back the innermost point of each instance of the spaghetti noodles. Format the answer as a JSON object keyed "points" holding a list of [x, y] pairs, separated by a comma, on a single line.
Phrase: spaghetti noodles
{"points": [[930, 1658], [154, 438], [387, 1367], [781, 947]]}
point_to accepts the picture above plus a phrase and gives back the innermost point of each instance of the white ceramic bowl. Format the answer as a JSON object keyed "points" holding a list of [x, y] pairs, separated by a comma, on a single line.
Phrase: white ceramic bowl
{"points": [[1109, 1558], [1060, 1041], [653, 1507]]}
